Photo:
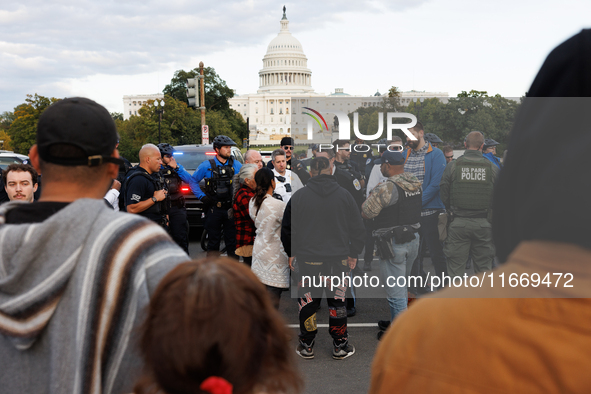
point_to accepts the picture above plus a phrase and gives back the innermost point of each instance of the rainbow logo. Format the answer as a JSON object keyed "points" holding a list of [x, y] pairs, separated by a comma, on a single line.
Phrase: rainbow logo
{"points": [[315, 118]]}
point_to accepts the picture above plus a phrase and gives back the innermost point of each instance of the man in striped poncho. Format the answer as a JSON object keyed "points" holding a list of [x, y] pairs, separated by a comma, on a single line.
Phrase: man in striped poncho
{"points": [[75, 276]]}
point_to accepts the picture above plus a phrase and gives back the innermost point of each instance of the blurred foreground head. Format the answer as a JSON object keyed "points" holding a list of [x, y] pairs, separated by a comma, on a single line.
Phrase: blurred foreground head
{"points": [[544, 188], [213, 318]]}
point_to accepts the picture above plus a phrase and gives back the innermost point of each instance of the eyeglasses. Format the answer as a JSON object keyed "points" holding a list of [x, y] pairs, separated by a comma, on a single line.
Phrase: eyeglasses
{"points": [[288, 148]]}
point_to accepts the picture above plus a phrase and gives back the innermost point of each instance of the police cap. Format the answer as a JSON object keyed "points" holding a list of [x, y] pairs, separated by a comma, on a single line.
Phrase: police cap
{"points": [[489, 142], [433, 138]]}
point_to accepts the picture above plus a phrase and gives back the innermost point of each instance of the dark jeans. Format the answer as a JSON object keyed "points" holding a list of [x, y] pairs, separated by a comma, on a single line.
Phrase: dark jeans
{"points": [[178, 227], [429, 234], [369, 242], [310, 296], [216, 224]]}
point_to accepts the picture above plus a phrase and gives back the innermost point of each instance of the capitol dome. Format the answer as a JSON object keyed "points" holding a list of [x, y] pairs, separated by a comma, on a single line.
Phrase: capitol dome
{"points": [[285, 66]]}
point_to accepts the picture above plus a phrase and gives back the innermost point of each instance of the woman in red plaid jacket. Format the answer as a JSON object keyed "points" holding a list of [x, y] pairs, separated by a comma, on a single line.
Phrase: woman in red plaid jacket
{"points": [[245, 230]]}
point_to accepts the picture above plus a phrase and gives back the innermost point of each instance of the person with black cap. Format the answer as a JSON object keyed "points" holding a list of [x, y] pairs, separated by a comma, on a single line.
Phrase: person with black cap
{"points": [[293, 164], [530, 337], [489, 150], [395, 207], [433, 139], [145, 191], [466, 191], [174, 175], [212, 184], [75, 276]]}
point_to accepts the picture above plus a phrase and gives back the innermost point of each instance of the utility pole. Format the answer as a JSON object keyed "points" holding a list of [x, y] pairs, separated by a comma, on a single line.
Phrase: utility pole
{"points": [[204, 128]]}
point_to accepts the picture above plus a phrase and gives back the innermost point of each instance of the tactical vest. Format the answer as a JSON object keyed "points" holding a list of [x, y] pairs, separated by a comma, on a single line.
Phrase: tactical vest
{"points": [[219, 185], [405, 212], [472, 184], [173, 182], [159, 208]]}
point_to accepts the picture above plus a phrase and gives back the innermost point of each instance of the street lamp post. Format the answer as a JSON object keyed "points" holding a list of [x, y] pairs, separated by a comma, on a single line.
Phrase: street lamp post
{"points": [[159, 110]]}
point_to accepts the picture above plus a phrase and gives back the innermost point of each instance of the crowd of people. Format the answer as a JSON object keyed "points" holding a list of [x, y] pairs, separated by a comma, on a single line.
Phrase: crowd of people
{"points": [[79, 281]]}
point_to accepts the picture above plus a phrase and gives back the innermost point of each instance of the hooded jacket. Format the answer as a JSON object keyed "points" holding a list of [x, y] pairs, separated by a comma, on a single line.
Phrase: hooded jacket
{"points": [[542, 193], [322, 221], [72, 291]]}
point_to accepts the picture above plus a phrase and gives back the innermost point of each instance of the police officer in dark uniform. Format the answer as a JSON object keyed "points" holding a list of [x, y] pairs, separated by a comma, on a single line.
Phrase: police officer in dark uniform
{"points": [[343, 162], [212, 184], [174, 174], [293, 164], [145, 191]]}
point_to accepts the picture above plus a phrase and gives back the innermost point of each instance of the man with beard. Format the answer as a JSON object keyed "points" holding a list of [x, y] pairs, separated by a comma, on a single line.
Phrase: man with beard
{"points": [[216, 195]]}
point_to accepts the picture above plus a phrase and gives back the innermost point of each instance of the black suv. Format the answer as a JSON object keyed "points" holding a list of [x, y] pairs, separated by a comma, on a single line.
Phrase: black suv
{"points": [[191, 156]]}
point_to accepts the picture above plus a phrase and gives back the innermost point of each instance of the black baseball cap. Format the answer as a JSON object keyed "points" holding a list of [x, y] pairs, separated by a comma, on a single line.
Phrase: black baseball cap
{"points": [[82, 124], [393, 158], [287, 141]]}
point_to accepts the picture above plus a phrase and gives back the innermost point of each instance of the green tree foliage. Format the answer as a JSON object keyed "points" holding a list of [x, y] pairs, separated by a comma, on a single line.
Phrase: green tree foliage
{"points": [[451, 121], [117, 115], [217, 94], [180, 125], [6, 119], [22, 130]]}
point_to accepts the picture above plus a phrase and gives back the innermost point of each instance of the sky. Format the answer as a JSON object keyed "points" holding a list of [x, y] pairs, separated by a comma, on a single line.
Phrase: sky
{"points": [[106, 49]]}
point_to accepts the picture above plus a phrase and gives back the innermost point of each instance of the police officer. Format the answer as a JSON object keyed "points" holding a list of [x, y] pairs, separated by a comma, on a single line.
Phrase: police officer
{"points": [[395, 205], [215, 192], [490, 150], [293, 164], [174, 174], [145, 192], [343, 162], [466, 190], [433, 139]]}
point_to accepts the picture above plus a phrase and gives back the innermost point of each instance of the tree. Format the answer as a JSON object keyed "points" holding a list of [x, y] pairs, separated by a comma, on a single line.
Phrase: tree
{"points": [[117, 115], [217, 94], [6, 119], [23, 129]]}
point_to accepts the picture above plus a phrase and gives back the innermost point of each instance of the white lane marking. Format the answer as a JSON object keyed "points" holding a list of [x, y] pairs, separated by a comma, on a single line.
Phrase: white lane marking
{"points": [[324, 325]]}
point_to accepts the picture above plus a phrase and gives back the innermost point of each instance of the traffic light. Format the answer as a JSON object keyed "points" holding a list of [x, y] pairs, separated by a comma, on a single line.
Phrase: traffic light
{"points": [[192, 97]]}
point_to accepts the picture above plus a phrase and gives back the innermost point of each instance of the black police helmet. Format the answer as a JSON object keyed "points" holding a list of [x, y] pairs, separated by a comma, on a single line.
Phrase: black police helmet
{"points": [[165, 149], [433, 138], [222, 140], [488, 142]]}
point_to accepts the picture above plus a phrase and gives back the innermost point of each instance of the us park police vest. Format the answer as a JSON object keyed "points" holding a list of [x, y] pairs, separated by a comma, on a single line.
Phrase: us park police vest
{"points": [[472, 184]]}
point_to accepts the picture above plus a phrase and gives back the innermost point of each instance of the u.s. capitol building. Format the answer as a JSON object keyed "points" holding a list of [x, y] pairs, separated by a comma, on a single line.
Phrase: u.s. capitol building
{"points": [[285, 87]]}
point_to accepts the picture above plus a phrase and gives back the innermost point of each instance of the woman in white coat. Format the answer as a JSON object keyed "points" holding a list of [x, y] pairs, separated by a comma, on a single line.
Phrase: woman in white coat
{"points": [[269, 261]]}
